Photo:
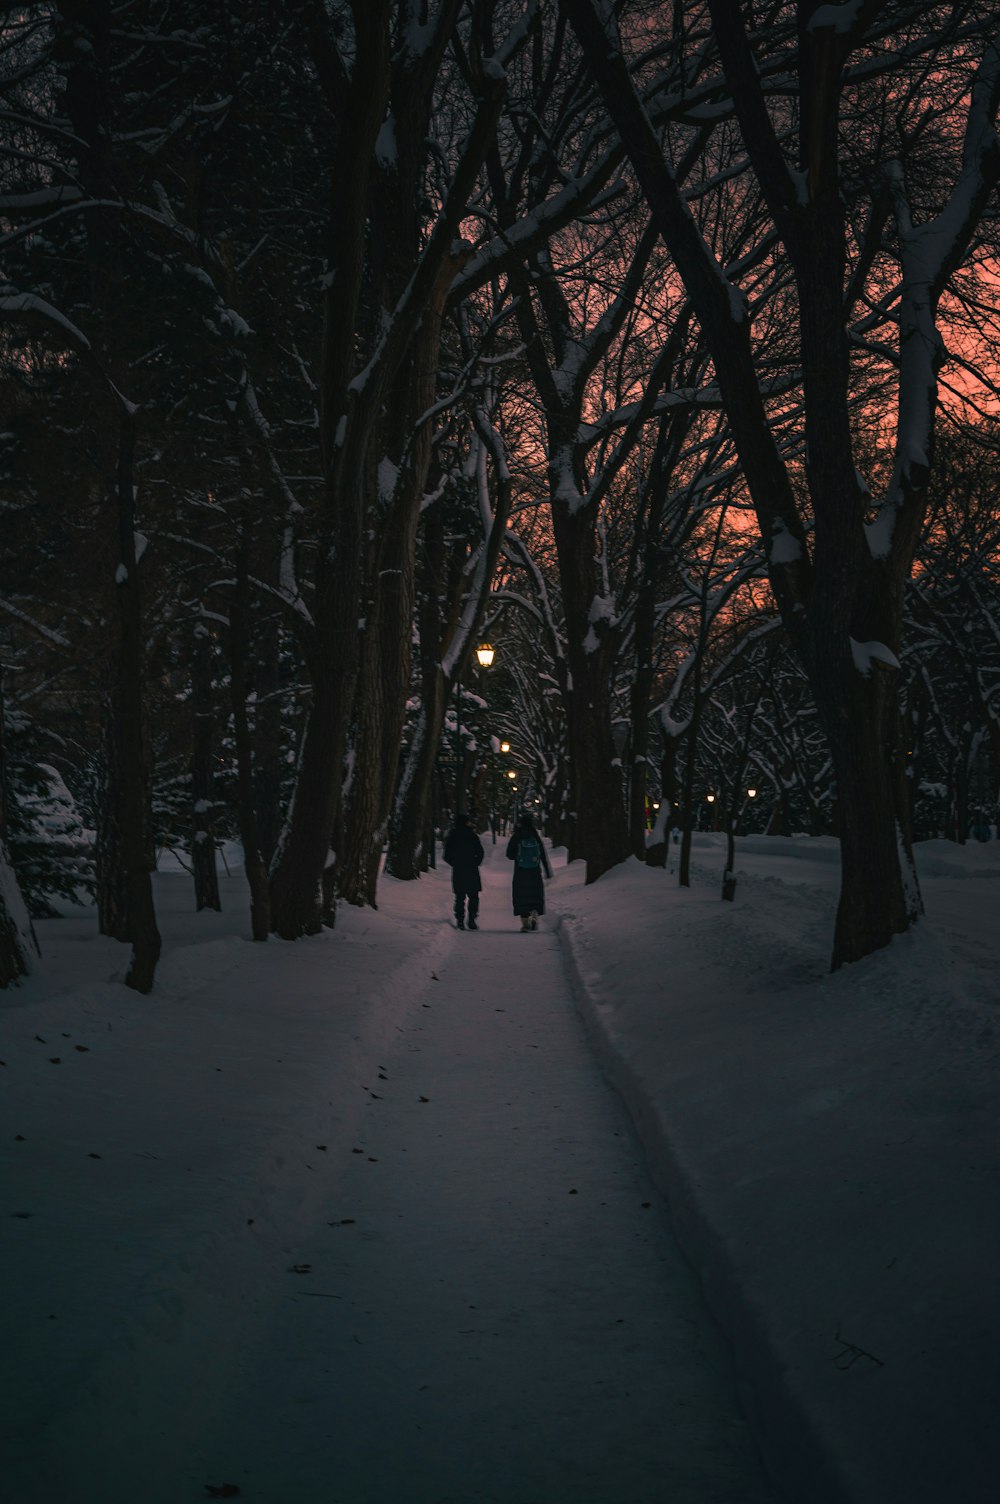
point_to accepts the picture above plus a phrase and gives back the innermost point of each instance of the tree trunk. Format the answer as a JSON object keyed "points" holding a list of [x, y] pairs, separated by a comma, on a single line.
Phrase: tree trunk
{"points": [[411, 816], [18, 945], [304, 850], [383, 685], [254, 863], [125, 888], [17, 936], [600, 829], [112, 894], [268, 746], [642, 685], [203, 862], [130, 737], [729, 876], [414, 808], [879, 890]]}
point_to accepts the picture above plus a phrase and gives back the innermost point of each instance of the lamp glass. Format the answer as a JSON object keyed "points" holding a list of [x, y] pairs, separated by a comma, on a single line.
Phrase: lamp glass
{"points": [[485, 655]]}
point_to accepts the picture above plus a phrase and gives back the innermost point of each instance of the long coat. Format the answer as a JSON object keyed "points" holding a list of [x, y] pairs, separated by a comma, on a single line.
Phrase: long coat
{"points": [[528, 890], [463, 851]]}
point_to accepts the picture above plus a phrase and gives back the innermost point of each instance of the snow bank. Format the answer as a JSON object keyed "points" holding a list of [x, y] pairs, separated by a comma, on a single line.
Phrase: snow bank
{"points": [[828, 1145]]}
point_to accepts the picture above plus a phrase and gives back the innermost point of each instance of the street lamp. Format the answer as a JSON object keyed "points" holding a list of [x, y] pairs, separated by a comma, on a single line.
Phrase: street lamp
{"points": [[751, 794], [485, 655]]}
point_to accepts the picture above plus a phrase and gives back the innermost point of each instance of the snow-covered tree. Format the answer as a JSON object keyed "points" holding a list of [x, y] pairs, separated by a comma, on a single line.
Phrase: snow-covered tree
{"points": [[873, 227]]}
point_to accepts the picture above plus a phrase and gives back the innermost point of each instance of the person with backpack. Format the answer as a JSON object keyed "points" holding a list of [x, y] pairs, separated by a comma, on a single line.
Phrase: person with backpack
{"points": [[463, 851], [526, 851]]}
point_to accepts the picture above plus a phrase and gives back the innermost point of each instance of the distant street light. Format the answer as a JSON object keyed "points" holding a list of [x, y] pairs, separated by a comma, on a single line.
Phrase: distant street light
{"points": [[485, 655], [751, 794], [505, 746], [710, 798]]}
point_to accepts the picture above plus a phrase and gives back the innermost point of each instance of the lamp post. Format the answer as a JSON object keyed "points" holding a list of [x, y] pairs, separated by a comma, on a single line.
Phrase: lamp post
{"points": [[458, 743], [504, 747], [485, 655]]}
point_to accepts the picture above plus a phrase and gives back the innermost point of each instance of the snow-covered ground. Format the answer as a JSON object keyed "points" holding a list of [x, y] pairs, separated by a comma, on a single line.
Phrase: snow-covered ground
{"points": [[830, 1146], [238, 1245]]}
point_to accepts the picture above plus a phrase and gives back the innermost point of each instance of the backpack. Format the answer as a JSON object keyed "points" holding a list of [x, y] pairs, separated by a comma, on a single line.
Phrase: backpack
{"points": [[529, 853]]}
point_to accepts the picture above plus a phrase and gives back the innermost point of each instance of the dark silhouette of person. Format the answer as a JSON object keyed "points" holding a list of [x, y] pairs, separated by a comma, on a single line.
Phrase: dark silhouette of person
{"points": [[463, 851], [526, 851]]}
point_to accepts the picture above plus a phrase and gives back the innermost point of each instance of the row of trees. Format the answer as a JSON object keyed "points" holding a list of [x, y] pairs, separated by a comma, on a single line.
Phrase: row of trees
{"points": [[339, 332]]}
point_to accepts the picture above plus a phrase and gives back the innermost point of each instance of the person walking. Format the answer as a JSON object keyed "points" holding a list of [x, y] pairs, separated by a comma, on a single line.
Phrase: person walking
{"points": [[526, 851], [463, 851]]}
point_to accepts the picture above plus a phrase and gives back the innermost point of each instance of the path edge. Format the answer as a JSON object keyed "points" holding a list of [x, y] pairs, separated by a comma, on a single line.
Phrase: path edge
{"points": [[799, 1460]]}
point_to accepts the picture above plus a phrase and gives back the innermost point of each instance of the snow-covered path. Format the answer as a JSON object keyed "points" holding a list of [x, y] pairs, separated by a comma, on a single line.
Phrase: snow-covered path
{"points": [[366, 1225], [494, 1308]]}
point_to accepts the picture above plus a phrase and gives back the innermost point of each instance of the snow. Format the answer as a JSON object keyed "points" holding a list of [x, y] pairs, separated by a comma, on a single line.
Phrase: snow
{"points": [[785, 547], [866, 653], [388, 475], [386, 149], [14, 303], [838, 18], [245, 1247], [879, 532], [14, 908]]}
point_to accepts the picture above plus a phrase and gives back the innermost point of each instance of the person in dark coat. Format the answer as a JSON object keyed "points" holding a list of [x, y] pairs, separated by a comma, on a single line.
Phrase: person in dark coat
{"points": [[526, 851], [463, 851]]}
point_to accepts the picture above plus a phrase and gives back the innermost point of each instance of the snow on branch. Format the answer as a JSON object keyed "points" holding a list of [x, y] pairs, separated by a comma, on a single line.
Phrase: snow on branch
{"points": [[49, 634], [929, 253], [39, 198], [28, 308], [35, 313]]}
